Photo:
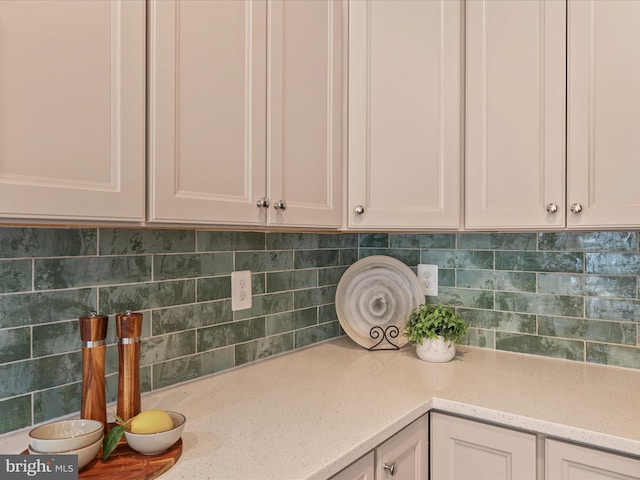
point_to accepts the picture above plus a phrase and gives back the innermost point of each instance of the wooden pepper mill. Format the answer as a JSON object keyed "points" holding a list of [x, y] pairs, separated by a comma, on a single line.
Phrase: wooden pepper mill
{"points": [[129, 329], [93, 333]]}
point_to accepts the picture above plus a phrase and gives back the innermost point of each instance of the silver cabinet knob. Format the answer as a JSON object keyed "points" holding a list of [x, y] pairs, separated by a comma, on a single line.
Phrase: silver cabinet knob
{"points": [[359, 209], [390, 468], [263, 203], [552, 208], [280, 205], [576, 208]]}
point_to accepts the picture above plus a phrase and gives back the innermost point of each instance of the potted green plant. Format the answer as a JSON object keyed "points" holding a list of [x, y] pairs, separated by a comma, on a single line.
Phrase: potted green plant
{"points": [[435, 330]]}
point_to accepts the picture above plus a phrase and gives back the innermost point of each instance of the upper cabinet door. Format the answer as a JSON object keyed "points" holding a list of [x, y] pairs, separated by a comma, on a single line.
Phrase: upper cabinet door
{"points": [[305, 109], [404, 114], [207, 109], [515, 114], [72, 119], [604, 113]]}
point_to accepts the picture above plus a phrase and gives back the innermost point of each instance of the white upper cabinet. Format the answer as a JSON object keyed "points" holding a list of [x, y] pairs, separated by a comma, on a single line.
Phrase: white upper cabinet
{"points": [[72, 110], [245, 105], [515, 114], [517, 126], [404, 114], [604, 113], [207, 104], [305, 110]]}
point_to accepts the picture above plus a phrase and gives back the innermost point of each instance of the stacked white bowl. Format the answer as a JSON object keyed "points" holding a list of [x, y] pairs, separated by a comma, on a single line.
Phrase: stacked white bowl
{"points": [[68, 437]]}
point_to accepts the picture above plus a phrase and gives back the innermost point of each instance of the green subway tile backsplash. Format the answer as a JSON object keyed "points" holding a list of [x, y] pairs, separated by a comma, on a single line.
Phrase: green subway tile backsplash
{"points": [[567, 295]]}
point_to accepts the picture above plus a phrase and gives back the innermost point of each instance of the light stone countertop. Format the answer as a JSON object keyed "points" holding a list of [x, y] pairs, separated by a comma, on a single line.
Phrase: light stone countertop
{"points": [[310, 413]]}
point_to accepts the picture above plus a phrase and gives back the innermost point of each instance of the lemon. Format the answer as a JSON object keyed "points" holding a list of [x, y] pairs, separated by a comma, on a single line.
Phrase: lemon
{"points": [[151, 421]]}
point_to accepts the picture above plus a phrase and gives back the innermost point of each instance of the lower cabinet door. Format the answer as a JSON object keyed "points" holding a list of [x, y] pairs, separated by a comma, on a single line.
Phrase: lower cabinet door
{"points": [[566, 461], [405, 455], [464, 449]]}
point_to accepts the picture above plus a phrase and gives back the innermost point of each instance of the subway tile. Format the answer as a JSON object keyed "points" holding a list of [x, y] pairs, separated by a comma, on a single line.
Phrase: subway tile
{"points": [[165, 347], [291, 280], [348, 256], [569, 262], [330, 276], [316, 258], [446, 277], [422, 241], [56, 273], [269, 261], [45, 307], [14, 344], [373, 240], [169, 267], [133, 241], [15, 413], [561, 305], [47, 242], [613, 309], [588, 241], [537, 345], [263, 348], [146, 295], [212, 241], [406, 256], [478, 337], [55, 338], [463, 297], [27, 376], [496, 280], [210, 338], [338, 240], [314, 296], [182, 369], [216, 288], [327, 313], [57, 401], [613, 263], [615, 355], [496, 320], [267, 304], [15, 276], [593, 330], [587, 285], [476, 259], [315, 334], [293, 320], [292, 241], [186, 317], [496, 241]]}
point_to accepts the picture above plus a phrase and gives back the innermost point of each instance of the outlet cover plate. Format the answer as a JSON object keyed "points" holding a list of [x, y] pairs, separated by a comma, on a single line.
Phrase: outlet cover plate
{"points": [[428, 277], [241, 290]]}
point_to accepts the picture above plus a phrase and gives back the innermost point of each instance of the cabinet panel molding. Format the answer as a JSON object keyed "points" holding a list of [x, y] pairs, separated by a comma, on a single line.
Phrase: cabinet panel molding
{"points": [[515, 114], [72, 97], [404, 114]]}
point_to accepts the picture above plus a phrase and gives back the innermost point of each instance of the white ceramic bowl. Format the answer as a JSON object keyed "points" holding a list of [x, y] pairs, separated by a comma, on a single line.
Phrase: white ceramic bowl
{"points": [[85, 454], [65, 435], [154, 443]]}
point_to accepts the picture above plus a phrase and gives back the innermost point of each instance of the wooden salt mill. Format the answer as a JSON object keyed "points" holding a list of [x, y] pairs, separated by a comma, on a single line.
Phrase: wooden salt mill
{"points": [[129, 329], [93, 333]]}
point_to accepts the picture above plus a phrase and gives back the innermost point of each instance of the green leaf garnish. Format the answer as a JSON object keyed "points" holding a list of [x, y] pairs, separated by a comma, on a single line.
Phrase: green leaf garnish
{"points": [[111, 439]]}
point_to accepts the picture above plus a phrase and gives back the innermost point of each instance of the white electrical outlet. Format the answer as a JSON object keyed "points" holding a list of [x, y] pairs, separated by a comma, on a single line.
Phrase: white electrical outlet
{"points": [[241, 290], [428, 277]]}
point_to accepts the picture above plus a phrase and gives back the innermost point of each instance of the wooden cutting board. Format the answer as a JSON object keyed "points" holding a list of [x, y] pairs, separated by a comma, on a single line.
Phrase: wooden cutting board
{"points": [[126, 464]]}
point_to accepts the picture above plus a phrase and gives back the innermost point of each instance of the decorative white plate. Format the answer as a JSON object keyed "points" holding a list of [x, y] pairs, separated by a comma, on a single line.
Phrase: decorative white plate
{"points": [[374, 299]]}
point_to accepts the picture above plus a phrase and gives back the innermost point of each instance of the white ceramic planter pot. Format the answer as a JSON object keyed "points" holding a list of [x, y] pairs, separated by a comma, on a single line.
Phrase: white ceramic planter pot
{"points": [[436, 350]]}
